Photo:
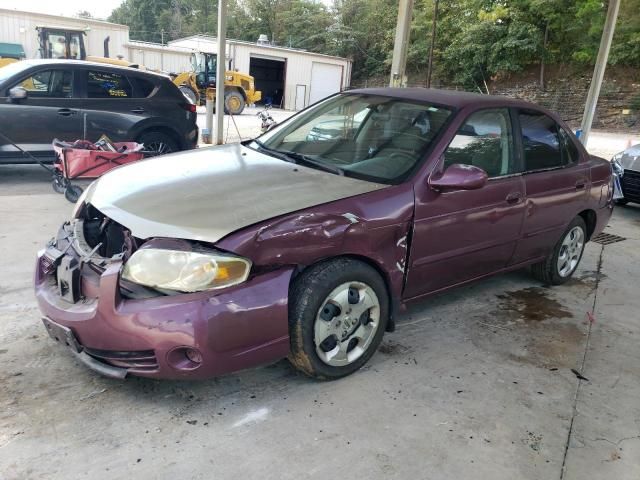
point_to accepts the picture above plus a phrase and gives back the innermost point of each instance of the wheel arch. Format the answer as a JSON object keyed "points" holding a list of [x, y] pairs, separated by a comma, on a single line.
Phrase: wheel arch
{"points": [[238, 89], [394, 304], [590, 219]]}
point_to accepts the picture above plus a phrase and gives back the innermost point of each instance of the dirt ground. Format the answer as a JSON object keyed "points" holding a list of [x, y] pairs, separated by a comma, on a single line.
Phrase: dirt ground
{"points": [[475, 383]]}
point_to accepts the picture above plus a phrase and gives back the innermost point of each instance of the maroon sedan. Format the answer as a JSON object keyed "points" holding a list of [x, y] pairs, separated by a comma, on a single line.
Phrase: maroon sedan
{"points": [[309, 240]]}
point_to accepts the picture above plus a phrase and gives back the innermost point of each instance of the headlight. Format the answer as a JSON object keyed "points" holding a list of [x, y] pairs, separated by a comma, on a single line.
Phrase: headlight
{"points": [[185, 271], [616, 165]]}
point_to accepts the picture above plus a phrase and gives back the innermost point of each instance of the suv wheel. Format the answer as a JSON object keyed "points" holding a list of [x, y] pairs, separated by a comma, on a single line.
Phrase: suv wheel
{"points": [[158, 143], [338, 312]]}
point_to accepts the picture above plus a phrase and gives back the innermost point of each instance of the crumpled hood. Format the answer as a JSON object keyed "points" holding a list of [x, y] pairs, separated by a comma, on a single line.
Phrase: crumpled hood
{"points": [[209, 193]]}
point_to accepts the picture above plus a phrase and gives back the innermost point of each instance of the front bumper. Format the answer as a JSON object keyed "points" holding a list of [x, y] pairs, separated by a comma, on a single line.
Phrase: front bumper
{"points": [[241, 327]]}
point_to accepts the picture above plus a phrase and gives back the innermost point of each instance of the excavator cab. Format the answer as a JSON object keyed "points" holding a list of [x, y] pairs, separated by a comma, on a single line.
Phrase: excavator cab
{"points": [[61, 43], [204, 66]]}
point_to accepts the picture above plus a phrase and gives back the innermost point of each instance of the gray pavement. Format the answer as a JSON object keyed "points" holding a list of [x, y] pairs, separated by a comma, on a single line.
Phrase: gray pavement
{"points": [[475, 383]]}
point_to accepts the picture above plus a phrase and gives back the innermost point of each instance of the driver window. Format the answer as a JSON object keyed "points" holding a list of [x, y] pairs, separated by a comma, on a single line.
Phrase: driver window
{"points": [[485, 141], [48, 84]]}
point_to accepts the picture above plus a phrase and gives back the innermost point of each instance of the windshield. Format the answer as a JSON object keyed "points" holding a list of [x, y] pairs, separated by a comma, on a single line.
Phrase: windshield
{"points": [[364, 136]]}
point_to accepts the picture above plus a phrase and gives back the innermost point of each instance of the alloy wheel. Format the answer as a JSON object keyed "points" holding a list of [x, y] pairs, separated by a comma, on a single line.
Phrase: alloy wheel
{"points": [[158, 148], [570, 251]]}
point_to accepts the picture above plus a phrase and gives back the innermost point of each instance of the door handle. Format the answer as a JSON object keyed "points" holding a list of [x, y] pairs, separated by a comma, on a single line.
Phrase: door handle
{"points": [[514, 198], [580, 184], [138, 110], [65, 112]]}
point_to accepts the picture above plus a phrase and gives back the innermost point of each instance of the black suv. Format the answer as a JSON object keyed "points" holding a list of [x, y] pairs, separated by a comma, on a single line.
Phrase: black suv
{"points": [[45, 99]]}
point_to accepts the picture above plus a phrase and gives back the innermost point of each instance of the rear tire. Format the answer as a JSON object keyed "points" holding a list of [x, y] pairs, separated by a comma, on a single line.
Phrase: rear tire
{"points": [[159, 143], [563, 261], [338, 313], [233, 102]]}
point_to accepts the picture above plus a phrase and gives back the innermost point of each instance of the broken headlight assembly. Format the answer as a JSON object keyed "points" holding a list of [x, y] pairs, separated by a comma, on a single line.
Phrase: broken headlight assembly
{"points": [[616, 166], [185, 271]]}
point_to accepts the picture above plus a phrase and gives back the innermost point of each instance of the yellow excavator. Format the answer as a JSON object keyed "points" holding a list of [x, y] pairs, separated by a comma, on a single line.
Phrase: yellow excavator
{"points": [[239, 88]]}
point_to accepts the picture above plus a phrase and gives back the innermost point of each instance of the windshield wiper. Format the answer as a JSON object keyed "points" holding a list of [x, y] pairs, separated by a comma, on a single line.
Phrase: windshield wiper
{"points": [[298, 158], [273, 152], [309, 161]]}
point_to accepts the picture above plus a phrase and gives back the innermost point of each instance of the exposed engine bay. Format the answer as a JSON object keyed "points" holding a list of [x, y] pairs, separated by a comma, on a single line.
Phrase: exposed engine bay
{"points": [[85, 246], [104, 236]]}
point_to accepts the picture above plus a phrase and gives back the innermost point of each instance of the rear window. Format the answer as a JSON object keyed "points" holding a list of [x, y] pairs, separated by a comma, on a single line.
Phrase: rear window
{"points": [[108, 85], [570, 152], [540, 141], [143, 87]]}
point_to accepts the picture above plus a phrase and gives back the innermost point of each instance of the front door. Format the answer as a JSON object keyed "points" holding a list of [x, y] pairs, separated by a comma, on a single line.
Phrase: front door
{"points": [[48, 112], [464, 234]]}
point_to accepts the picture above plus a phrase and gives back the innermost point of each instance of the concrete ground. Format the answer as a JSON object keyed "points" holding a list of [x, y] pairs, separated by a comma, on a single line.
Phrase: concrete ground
{"points": [[475, 383]]}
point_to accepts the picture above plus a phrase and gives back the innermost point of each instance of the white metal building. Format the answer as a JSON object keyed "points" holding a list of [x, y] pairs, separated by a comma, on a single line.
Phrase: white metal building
{"points": [[20, 27], [164, 58], [288, 77]]}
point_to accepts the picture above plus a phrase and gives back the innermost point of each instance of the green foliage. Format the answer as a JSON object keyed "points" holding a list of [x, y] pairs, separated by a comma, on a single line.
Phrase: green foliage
{"points": [[476, 39]]}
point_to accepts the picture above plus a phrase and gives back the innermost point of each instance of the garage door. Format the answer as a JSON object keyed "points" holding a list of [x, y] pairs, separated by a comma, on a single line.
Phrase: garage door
{"points": [[326, 79]]}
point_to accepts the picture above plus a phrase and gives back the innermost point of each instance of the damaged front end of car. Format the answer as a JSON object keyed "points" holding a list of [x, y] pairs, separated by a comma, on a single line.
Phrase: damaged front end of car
{"points": [[159, 307]]}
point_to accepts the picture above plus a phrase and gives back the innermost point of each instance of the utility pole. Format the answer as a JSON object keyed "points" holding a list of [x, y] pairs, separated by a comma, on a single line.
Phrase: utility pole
{"points": [[433, 42], [403, 27], [221, 70], [598, 71]]}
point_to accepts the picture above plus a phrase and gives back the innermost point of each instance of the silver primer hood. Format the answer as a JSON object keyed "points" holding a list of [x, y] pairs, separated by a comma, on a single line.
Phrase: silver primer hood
{"points": [[209, 193]]}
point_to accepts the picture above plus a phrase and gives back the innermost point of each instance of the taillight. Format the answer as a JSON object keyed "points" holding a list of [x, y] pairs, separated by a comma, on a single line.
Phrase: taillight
{"points": [[189, 107]]}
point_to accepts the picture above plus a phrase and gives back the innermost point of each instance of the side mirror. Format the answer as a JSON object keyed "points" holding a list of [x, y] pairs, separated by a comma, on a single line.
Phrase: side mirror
{"points": [[459, 177], [17, 93]]}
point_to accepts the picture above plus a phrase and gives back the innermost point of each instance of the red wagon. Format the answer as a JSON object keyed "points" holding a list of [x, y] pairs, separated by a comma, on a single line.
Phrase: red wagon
{"points": [[83, 159]]}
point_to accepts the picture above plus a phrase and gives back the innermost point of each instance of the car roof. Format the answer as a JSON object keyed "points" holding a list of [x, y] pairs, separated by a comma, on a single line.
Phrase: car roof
{"points": [[85, 63], [452, 98]]}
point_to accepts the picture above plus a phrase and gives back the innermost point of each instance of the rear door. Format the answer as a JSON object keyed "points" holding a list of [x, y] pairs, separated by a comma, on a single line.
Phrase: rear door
{"points": [[460, 235], [556, 180], [49, 111], [113, 106]]}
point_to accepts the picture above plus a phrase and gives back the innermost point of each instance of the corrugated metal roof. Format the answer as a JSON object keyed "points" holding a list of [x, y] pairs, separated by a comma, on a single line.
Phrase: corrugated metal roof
{"points": [[210, 38]]}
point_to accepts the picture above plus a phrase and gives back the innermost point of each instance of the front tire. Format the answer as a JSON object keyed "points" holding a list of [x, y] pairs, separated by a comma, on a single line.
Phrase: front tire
{"points": [[563, 261], [338, 313], [233, 102]]}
